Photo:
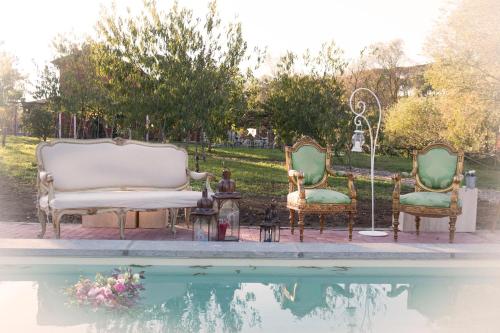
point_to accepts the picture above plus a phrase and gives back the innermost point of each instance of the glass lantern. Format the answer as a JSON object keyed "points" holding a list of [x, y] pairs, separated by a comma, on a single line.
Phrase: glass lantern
{"points": [[204, 225], [228, 219], [269, 232], [358, 140]]}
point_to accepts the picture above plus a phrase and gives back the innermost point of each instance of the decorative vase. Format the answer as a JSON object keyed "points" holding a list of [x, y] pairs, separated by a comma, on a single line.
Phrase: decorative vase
{"points": [[470, 181]]}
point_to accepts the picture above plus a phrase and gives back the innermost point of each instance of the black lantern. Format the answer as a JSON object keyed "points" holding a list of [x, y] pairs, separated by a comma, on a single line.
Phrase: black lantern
{"points": [[269, 232], [204, 219], [270, 228], [228, 209]]}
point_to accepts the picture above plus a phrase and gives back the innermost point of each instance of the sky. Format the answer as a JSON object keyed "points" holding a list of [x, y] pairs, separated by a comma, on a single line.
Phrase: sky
{"points": [[27, 27]]}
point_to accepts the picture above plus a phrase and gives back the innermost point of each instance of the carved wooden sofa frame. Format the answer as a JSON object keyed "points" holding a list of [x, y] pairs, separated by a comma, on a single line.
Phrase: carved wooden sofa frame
{"points": [[296, 179], [48, 191], [419, 211]]}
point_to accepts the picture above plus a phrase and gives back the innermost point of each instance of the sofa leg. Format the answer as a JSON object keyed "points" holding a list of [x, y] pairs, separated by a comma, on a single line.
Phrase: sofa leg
{"points": [[453, 221], [350, 224], [187, 216], [174, 212], [395, 225], [321, 223], [122, 215], [417, 224], [43, 222], [56, 220], [301, 225], [292, 220]]}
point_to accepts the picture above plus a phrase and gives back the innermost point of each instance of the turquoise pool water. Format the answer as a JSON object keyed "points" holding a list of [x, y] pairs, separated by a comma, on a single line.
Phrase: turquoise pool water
{"points": [[260, 299]]}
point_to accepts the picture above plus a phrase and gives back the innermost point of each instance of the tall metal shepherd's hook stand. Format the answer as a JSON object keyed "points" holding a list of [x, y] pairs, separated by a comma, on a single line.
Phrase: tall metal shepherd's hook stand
{"points": [[357, 144]]}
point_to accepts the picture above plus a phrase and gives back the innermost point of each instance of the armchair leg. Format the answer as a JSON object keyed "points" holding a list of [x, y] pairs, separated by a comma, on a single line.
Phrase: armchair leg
{"points": [[395, 224], [350, 224], [321, 223], [453, 221], [417, 224], [301, 225], [292, 220]]}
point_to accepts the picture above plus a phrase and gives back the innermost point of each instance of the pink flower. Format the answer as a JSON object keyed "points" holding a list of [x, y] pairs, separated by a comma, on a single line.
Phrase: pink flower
{"points": [[119, 287]]}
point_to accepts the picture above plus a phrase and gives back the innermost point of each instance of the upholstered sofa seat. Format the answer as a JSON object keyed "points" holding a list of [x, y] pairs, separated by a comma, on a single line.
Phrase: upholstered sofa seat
{"points": [[320, 196], [428, 199], [122, 199]]}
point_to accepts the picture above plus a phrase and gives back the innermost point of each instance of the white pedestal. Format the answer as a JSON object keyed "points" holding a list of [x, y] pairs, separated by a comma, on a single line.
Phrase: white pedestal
{"points": [[107, 220], [466, 222]]}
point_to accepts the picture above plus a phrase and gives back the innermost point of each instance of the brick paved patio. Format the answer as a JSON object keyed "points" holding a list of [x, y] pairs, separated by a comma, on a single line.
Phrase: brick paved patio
{"points": [[76, 231]]}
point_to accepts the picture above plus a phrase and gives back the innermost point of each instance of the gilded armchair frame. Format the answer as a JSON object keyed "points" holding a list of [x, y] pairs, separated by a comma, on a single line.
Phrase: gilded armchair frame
{"points": [[423, 211], [296, 180], [45, 186]]}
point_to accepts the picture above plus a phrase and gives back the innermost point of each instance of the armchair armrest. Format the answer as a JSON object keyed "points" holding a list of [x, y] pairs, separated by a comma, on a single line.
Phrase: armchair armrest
{"points": [[202, 176], [454, 192], [351, 186], [396, 178], [297, 177]]}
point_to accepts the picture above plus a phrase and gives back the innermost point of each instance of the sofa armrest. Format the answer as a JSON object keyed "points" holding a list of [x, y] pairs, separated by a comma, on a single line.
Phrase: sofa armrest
{"points": [[207, 176], [46, 184]]}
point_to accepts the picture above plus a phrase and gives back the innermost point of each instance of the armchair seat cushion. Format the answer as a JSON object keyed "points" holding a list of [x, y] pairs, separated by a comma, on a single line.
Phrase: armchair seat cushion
{"points": [[427, 199], [122, 199], [321, 196]]}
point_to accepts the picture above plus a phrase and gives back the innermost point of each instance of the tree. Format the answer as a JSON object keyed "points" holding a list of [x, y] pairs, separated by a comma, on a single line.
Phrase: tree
{"points": [[414, 122], [11, 89], [310, 103], [187, 69], [465, 73], [39, 121]]}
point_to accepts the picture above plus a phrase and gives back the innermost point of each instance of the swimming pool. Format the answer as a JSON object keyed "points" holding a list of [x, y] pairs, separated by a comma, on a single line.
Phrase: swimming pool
{"points": [[242, 297]]}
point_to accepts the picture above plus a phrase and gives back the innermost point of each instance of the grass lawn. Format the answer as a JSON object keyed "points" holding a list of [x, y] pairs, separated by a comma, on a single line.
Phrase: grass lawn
{"points": [[256, 171]]}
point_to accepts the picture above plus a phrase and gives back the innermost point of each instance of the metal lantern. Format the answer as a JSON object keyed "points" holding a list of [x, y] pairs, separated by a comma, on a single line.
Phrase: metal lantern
{"points": [[269, 232], [228, 219], [203, 219], [270, 228], [358, 140], [228, 209]]}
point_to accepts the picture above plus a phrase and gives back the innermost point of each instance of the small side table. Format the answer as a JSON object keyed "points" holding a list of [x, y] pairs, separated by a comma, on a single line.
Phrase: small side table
{"points": [[466, 222]]}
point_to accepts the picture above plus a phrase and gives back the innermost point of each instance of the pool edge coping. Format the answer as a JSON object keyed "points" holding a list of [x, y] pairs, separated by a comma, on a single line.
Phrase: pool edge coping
{"points": [[229, 250]]}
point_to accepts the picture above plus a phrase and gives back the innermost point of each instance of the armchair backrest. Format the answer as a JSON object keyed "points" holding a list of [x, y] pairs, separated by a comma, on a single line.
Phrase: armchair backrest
{"points": [[435, 166], [307, 156]]}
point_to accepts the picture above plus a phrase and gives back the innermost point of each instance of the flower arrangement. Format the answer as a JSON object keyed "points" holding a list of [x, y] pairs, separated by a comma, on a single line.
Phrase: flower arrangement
{"points": [[118, 291]]}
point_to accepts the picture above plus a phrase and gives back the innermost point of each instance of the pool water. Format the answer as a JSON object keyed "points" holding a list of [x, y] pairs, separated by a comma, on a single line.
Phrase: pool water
{"points": [[260, 299]]}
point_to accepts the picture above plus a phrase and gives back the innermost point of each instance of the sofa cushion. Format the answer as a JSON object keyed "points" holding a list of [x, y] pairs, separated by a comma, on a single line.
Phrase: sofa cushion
{"points": [[436, 168], [90, 164], [311, 162], [320, 196], [123, 199], [427, 199]]}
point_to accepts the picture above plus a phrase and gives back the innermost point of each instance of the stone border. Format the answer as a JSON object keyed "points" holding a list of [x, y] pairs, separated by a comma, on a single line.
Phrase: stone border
{"points": [[229, 250]]}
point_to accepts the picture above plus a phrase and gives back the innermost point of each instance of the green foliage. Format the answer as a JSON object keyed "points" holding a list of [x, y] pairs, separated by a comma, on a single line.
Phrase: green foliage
{"points": [[465, 73], [39, 121], [414, 122], [309, 104]]}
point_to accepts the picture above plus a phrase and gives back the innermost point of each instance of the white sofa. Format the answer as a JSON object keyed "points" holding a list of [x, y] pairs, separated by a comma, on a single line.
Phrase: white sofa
{"points": [[86, 177]]}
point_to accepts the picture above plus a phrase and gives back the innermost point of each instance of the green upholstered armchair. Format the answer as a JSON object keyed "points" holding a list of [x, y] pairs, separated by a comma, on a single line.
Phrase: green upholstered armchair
{"points": [[308, 166], [438, 172]]}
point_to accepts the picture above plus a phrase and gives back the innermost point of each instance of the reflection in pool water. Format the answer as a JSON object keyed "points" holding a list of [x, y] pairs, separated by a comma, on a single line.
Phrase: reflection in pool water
{"points": [[243, 299]]}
